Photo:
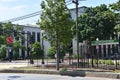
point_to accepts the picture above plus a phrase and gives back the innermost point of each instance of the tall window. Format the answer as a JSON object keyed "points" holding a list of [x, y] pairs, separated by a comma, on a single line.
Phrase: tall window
{"points": [[33, 34], [104, 50], [109, 50], [38, 36], [28, 36], [23, 41]]}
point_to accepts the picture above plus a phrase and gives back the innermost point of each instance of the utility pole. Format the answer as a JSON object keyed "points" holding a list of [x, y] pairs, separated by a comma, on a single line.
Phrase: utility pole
{"points": [[77, 40]]}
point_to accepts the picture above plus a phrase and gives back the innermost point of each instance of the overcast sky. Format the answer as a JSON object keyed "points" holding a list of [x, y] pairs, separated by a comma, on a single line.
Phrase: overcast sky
{"points": [[16, 8]]}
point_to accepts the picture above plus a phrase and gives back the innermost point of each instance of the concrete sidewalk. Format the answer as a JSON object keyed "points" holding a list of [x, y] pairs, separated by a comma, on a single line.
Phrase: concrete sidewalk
{"points": [[13, 64], [15, 67], [22, 63]]}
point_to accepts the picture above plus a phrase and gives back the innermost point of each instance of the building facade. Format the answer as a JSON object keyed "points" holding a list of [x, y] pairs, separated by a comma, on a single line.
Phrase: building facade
{"points": [[35, 31], [101, 50]]}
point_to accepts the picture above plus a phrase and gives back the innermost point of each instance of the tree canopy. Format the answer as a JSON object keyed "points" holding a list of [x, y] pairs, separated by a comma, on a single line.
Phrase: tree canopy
{"points": [[9, 29], [116, 8], [97, 22], [56, 21]]}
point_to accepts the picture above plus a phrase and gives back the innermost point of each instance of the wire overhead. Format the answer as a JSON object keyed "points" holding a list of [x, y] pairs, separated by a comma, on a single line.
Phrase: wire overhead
{"points": [[23, 17], [30, 15]]}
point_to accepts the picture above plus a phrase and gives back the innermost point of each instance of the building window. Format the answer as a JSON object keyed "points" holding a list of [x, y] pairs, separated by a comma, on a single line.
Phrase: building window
{"points": [[28, 36], [23, 40], [23, 44], [109, 50], [94, 51], [33, 34], [38, 36], [104, 50]]}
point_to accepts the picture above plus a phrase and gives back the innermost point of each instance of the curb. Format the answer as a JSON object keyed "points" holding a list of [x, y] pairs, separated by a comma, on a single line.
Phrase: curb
{"points": [[103, 74], [81, 73], [29, 71]]}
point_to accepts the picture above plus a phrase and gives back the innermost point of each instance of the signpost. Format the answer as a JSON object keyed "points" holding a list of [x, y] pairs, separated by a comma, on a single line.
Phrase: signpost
{"points": [[9, 41], [103, 42]]}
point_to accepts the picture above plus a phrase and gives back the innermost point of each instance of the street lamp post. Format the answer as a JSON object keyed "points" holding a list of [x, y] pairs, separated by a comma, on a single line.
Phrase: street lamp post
{"points": [[42, 32], [77, 40], [31, 59], [118, 45], [97, 48]]}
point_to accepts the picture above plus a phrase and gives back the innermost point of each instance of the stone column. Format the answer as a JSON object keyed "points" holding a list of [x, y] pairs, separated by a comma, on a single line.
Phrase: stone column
{"points": [[106, 50], [102, 54]]}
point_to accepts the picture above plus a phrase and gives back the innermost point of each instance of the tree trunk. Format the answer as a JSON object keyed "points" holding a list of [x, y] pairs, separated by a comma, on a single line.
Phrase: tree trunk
{"points": [[57, 52]]}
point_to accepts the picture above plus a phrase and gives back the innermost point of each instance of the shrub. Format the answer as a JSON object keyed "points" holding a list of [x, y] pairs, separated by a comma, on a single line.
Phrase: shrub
{"points": [[16, 55], [100, 61], [16, 46], [109, 62], [95, 61], [3, 51], [37, 52], [51, 52], [64, 69], [103, 61], [74, 56], [90, 61]]}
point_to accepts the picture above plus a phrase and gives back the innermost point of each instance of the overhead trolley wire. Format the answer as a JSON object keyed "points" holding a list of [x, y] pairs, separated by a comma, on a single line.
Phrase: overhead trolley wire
{"points": [[23, 17], [30, 15]]}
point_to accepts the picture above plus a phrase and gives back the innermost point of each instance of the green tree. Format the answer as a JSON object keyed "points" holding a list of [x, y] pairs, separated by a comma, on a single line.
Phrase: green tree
{"points": [[117, 27], [51, 52], [57, 23], [116, 8], [16, 47], [97, 22], [12, 30], [37, 50], [3, 50], [2, 39], [9, 29]]}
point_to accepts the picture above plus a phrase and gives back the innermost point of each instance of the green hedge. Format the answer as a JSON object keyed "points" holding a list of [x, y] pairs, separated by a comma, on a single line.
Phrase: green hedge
{"points": [[108, 62]]}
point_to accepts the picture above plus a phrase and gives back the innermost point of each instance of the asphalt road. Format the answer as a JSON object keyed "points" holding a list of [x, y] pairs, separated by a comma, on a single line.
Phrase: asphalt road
{"points": [[14, 76]]}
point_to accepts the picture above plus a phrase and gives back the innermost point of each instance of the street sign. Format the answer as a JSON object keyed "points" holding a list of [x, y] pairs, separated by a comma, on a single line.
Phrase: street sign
{"points": [[104, 41], [9, 49], [9, 40]]}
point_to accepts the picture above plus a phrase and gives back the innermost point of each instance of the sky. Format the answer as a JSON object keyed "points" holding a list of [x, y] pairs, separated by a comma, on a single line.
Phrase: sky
{"points": [[15, 8]]}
